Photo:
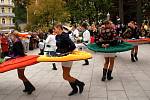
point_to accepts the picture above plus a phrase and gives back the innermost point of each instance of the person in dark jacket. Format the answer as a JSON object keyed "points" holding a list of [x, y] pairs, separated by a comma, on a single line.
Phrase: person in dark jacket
{"points": [[18, 51], [132, 32], [65, 45]]}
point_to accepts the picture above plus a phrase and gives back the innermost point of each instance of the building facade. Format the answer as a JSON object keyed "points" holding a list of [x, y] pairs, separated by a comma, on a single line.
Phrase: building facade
{"points": [[6, 14]]}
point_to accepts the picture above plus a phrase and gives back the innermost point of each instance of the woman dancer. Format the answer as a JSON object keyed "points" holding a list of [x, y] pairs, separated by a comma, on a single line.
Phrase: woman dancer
{"points": [[105, 39], [65, 45], [51, 45], [132, 32], [18, 51]]}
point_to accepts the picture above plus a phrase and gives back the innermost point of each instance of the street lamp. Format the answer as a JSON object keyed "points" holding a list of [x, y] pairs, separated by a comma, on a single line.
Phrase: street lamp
{"points": [[108, 16], [27, 14]]}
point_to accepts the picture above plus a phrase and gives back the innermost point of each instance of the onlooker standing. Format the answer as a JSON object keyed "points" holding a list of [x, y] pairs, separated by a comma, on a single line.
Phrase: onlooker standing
{"points": [[93, 32], [0, 46], [5, 45], [26, 41], [75, 32]]}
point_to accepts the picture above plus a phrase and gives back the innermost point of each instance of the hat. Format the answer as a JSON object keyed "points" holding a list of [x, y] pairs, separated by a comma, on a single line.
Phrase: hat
{"points": [[67, 27]]}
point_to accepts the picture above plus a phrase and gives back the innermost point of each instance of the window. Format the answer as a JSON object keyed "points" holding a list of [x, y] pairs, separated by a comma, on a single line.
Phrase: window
{"points": [[9, 10], [3, 21], [2, 1], [3, 10], [10, 21], [9, 2]]}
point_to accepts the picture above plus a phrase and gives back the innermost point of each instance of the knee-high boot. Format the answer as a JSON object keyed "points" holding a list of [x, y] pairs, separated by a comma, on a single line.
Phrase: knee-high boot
{"points": [[135, 56], [74, 89], [29, 88], [54, 66], [132, 58], [80, 85], [86, 62], [109, 77], [104, 74]]}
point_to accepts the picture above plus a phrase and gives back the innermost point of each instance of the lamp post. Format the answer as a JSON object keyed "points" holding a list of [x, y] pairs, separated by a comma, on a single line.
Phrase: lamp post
{"points": [[108, 16], [27, 14]]}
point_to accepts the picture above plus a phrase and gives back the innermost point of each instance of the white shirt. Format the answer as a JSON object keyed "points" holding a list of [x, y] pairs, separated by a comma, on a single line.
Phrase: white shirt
{"points": [[76, 33], [86, 36], [51, 41]]}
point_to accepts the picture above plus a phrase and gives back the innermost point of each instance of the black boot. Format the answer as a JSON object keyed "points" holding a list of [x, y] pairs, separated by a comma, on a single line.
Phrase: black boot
{"points": [[54, 66], [80, 85], [41, 52], [86, 62], [74, 89], [132, 58], [135, 56], [109, 77], [104, 74], [32, 88], [29, 88], [26, 87]]}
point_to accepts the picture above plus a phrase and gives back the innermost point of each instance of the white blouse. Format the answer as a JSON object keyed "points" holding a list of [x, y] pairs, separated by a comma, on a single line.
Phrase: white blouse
{"points": [[86, 36], [50, 41]]}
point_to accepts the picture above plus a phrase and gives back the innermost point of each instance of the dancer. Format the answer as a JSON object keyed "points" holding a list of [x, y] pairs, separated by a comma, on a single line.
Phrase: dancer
{"points": [[51, 45], [85, 38], [18, 51], [65, 45], [132, 32], [105, 39]]}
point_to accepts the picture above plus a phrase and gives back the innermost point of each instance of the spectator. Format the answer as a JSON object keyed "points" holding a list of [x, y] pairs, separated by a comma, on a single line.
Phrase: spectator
{"points": [[4, 45]]}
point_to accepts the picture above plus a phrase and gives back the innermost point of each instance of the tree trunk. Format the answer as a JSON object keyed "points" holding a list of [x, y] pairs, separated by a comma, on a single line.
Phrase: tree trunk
{"points": [[121, 10], [139, 12]]}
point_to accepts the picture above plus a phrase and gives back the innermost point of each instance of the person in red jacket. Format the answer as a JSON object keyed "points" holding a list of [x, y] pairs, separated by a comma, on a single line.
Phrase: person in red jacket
{"points": [[0, 46], [4, 45]]}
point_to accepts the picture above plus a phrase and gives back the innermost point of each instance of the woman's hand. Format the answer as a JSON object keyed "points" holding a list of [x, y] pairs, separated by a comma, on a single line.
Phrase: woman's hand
{"points": [[105, 45]]}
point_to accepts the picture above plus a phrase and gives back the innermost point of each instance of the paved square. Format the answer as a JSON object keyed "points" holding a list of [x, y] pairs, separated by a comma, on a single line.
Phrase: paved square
{"points": [[131, 80]]}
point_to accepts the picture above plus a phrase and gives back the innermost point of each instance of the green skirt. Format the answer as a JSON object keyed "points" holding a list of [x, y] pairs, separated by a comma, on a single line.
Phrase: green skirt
{"points": [[1, 60], [112, 49]]}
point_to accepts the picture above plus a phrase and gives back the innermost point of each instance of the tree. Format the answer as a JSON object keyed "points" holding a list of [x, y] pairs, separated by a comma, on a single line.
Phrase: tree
{"points": [[45, 12], [22, 2], [20, 10], [88, 9]]}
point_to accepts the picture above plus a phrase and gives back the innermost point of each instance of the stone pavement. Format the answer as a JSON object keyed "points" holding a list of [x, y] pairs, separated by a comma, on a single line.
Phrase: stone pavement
{"points": [[131, 80]]}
